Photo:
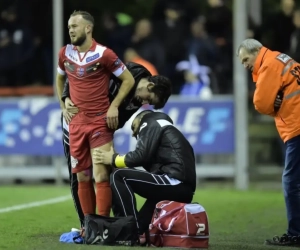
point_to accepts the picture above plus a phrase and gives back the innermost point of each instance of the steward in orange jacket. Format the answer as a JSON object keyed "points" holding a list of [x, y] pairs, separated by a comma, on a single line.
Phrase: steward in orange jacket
{"points": [[276, 72]]}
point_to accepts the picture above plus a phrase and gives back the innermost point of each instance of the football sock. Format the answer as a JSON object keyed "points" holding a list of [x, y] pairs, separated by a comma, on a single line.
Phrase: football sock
{"points": [[86, 193], [93, 194], [103, 198]]}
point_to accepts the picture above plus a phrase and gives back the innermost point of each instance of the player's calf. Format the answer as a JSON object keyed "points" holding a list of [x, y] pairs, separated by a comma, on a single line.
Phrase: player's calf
{"points": [[86, 191], [103, 191]]}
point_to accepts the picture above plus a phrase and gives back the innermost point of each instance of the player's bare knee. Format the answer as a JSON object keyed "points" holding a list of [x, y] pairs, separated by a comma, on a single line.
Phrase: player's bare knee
{"points": [[101, 173], [84, 176]]}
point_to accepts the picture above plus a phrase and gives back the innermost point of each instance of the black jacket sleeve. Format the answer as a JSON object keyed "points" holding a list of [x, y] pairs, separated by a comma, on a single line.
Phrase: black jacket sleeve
{"points": [[66, 91], [147, 145]]}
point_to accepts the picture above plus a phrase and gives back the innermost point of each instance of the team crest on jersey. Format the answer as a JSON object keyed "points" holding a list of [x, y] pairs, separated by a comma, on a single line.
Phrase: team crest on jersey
{"points": [[80, 71]]}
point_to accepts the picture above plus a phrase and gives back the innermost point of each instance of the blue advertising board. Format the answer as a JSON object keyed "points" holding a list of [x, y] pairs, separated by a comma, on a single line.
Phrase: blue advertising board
{"points": [[31, 126]]}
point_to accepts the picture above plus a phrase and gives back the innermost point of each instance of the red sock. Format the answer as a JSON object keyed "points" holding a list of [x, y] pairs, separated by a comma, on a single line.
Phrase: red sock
{"points": [[86, 193], [103, 198], [93, 194]]}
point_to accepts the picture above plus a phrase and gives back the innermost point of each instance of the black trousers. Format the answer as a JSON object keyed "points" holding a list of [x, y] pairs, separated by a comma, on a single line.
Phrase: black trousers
{"points": [[72, 177], [154, 188]]}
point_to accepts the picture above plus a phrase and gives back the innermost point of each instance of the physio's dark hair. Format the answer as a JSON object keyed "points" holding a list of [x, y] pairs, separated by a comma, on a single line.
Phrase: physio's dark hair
{"points": [[162, 89]]}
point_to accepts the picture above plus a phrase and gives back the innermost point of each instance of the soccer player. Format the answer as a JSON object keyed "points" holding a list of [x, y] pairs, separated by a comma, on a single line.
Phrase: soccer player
{"points": [[154, 90], [277, 75], [88, 66], [168, 159]]}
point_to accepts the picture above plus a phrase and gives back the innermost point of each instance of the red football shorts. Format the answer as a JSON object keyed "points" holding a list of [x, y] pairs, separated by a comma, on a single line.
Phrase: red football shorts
{"points": [[84, 137]]}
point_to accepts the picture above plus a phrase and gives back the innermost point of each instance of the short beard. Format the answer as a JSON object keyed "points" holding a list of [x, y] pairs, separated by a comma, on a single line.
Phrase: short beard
{"points": [[79, 41]]}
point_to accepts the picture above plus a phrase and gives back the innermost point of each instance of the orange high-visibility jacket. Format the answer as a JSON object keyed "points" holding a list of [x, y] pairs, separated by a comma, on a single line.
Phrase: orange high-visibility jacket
{"points": [[274, 71]]}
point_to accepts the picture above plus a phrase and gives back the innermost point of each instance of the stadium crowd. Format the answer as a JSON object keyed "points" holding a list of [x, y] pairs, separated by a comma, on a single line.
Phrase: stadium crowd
{"points": [[189, 44]]}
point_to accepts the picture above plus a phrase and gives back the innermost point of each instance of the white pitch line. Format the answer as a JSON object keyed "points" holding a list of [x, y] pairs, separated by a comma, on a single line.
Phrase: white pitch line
{"points": [[35, 204]]}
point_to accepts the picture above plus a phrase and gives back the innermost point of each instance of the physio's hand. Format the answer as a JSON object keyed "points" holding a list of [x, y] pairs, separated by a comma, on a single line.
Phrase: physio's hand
{"points": [[103, 157], [112, 117], [70, 107]]}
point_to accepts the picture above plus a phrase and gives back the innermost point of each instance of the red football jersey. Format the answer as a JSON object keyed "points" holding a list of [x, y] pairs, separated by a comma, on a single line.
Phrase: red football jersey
{"points": [[89, 75]]}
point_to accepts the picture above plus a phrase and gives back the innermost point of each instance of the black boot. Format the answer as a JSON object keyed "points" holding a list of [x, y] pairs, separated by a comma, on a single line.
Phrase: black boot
{"points": [[284, 240]]}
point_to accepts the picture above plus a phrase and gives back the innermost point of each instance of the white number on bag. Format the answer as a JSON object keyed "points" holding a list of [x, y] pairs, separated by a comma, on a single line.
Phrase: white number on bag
{"points": [[201, 228]]}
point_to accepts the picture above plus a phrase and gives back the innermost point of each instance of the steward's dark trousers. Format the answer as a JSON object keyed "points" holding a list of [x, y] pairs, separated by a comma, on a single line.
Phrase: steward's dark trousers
{"points": [[291, 185]]}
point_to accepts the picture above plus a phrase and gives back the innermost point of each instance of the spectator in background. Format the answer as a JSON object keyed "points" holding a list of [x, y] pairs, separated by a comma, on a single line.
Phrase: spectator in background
{"points": [[201, 44], [147, 45], [43, 38], [196, 78], [254, 29], [219, 27], [295, 37], [172, 32], [278, 37], [131, 55], [204, 48], [219, 22], [16, 50], [115, 35], [189, 10]]}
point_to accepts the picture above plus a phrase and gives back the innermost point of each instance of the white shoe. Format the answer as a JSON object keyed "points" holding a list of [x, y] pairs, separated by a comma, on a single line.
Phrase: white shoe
{"points": [[75, 230]]}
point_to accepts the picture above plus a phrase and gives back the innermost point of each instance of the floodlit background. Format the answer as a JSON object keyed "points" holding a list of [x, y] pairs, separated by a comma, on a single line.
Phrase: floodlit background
{"points": [[193, 42]]}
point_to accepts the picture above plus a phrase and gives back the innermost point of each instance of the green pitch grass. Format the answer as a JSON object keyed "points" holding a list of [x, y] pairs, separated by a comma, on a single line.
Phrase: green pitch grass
{"points": [[238, 220]]}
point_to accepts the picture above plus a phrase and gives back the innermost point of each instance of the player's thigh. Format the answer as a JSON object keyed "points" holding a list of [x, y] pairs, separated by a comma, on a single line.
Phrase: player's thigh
{"points": [[101, 172], [100, 137], [79, 151]]}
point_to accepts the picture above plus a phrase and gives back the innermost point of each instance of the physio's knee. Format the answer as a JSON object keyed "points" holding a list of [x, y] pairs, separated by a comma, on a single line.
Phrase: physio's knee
{"points": [[117, 175]]}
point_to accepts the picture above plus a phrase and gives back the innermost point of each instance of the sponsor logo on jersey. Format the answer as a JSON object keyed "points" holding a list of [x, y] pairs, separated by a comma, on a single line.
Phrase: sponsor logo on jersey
{"points": [[92, 58], [73, 57]]}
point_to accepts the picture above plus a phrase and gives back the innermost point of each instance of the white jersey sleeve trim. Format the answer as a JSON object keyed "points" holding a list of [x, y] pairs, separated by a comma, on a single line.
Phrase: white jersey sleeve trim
{"points": [[119, 71], [60, 71]]}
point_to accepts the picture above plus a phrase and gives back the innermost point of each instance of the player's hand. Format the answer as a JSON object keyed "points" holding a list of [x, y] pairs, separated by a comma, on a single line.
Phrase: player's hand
{"points": [[67, 115], [103, 157], [70, 107], [112, 117]]}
